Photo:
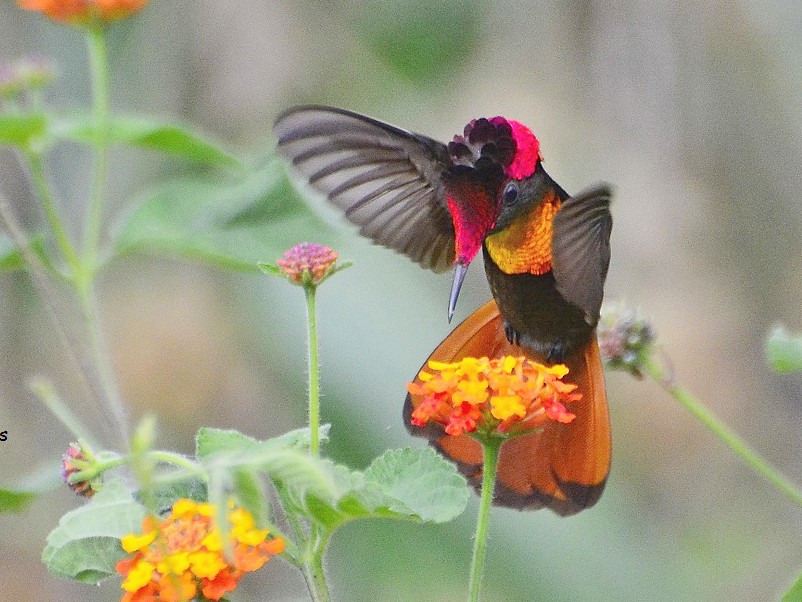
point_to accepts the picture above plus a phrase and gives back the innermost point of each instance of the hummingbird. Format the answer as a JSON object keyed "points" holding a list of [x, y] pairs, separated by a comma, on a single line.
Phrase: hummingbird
{"points": [[546, 255]]}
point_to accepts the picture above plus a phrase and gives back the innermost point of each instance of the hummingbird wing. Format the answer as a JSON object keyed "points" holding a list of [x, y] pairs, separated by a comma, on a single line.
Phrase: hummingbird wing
{"points": [[387, 180], [563, 466], [581, 249]]}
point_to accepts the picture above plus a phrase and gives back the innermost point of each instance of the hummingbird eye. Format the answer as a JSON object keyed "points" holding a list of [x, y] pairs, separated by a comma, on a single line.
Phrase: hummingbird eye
{"points": [[510, 194]]}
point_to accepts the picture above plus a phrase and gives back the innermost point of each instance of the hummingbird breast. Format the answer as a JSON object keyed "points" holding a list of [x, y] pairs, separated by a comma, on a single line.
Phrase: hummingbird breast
{"points": [[536, 315]]}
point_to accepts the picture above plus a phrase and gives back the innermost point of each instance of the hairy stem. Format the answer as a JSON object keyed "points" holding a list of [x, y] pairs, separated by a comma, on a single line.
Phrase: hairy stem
{"points": [[491, 449], [720, 430], [314, 375]]}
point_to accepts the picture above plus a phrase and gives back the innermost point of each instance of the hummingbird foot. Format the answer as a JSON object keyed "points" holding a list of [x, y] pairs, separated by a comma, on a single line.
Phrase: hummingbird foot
{"points": [[513, 336]]}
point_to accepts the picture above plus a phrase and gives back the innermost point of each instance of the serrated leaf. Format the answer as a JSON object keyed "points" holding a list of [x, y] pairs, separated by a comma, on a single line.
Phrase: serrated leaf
{"points": [[232, 225], [164, 495], [422, 481], [211, 440], [283, 459], [299, 473], [784, 350], [406, 484], [172, 138], [85, 546], [794, 594], [21, 129]]}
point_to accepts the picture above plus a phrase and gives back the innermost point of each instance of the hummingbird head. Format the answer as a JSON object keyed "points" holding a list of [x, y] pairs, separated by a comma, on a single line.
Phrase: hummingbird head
{"points": [[487, 160]]}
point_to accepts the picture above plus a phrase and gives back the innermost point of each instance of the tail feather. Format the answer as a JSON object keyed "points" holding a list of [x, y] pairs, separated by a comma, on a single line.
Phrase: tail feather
{"points": [[563, 467]]}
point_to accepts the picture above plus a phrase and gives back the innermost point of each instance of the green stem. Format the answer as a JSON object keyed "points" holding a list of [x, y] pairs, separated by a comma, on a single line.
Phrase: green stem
{"points": [[96, 42], [733, 441], [175, 460], [50, 398], [491, 447], [316, 577], [85, 278], [36, 168], [100, 358], [314, 376]]}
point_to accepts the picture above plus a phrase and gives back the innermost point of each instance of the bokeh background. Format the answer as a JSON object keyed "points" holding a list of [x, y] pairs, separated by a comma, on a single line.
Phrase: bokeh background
{"points": [[693, 110]]}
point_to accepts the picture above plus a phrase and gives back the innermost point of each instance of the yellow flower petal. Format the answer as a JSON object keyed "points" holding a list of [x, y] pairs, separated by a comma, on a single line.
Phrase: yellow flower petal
{"points": [[506, 406], [206, 564], [184, 508], [139, 576], [440, 366], [213, 541], [174, 563], [132, 543]]}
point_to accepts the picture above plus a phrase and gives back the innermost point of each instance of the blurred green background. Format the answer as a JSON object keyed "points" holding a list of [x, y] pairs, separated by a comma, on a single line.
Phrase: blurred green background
{"points": [[693, 110]]}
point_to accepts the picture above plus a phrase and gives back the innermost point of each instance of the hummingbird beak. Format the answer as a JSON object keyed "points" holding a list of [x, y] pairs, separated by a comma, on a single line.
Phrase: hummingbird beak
{"points": [[459, 275]]}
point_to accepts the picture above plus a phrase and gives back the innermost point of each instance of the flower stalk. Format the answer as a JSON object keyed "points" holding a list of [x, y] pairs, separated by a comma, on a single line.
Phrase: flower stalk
{"points": [[314, 371], [491, 447], [315, 577], [308, 265], [741, 448], [627, 342]]}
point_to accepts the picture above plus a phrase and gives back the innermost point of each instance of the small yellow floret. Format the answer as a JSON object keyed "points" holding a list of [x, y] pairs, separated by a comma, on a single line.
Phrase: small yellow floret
{"points": [[206, 564], [505, 406], [132, 543], [139, 576]]}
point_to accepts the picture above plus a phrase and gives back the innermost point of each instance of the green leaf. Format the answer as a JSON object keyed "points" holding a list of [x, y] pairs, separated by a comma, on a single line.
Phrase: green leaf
{"points": [[164, 495], [422, 481], [86, 544], [171, 138], [405, 484], [250, 494], [45, 479], [21, 129], [784, 350], [10, 256], [271, 270], [285, 460], [15, 501], [794, 594], [423, 40], [210, 440], [232, 225]]}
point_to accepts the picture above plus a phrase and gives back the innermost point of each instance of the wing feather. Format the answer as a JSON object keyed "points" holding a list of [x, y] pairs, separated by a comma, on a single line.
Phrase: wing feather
{"points": [[385, 179], [581, 249]]}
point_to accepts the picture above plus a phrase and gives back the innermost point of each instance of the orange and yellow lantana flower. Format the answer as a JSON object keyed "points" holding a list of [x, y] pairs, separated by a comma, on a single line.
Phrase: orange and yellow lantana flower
{"points": [[492, 395], [82, 11], [176, 558]]}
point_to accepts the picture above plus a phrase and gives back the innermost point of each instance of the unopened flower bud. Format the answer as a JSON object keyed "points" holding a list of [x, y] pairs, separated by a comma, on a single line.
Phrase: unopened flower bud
{"points": [[625, 338], [76, 470], [306, 264]]}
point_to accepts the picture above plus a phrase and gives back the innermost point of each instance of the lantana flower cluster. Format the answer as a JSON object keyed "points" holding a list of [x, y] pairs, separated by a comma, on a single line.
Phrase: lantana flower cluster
{"points": [[508, 393], [182, 555], [82, 11]]}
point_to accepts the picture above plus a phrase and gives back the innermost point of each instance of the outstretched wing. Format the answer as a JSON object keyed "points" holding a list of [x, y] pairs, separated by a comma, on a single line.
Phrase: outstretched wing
{"points": [[563, 466], [387, 180], [581, 249]]}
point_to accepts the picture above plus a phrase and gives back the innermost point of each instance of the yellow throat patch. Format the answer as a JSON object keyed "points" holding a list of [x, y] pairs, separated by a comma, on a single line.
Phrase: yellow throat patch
{"points": [[524, 246]]}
